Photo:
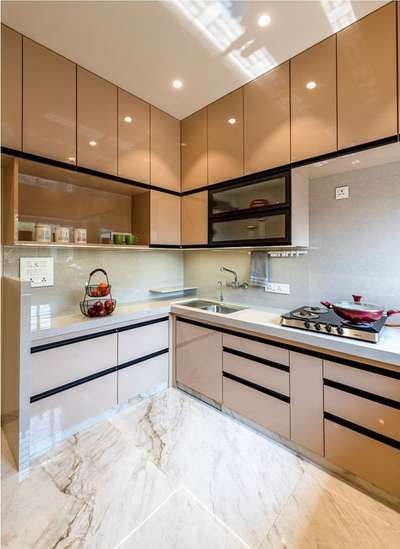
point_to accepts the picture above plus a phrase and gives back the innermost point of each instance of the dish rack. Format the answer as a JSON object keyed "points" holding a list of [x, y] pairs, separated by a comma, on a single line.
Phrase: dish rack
{"points": [[98, 300]]}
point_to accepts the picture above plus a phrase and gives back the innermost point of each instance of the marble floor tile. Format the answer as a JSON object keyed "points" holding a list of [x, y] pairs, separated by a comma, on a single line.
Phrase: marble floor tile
{"points": [[238, 474], [90, 492], [172, 472], [315, 518], [182, 523]]}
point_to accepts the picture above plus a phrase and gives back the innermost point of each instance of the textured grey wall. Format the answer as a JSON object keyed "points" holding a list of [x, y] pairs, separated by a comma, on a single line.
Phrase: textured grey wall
{"points": [[357, 245]]}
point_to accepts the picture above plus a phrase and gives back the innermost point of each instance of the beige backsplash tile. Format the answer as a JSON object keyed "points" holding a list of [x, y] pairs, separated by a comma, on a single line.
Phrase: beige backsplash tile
{"points": [[131, 273]]}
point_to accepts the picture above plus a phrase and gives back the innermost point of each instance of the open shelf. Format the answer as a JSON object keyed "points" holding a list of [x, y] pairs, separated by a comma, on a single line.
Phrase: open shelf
{"points": [[39, 193]]}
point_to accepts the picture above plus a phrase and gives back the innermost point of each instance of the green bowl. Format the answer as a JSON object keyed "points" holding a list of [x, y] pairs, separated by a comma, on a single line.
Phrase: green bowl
{"points": [[130, 239], [119, 239]]}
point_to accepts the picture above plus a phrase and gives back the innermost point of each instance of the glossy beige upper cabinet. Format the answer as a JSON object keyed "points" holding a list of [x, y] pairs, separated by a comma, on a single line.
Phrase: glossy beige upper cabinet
{"points": [[97, 122], [165, 218], [194, 150], [49, 103], [267, 121], [133, 137], [313, 101], [225, 137], [367, 78], [195, 218], [165, 155], [398, 63], [11, 88]]}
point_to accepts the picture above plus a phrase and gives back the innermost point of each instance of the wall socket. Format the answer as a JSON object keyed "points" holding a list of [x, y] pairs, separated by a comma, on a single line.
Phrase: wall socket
{"points": [[39, 271], [342, 192], [277, 288]]}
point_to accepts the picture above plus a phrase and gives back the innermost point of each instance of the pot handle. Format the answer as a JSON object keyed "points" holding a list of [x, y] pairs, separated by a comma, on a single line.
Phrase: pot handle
{"points": [[392, 312], [326, 304], [357, 298]]}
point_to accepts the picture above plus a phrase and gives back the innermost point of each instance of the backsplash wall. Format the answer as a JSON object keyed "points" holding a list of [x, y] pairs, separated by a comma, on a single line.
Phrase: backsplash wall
{"points": [[131, 273], [356, 241]]}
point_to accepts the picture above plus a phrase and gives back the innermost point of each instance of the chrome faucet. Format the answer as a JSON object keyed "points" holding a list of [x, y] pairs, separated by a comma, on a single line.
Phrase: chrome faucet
{"points": [[235, 283], [221, 295]]}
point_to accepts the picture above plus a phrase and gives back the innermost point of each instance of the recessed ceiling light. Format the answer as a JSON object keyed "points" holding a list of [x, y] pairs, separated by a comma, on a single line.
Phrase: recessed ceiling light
{"points": [[177, 84], [232, 121], [128, 119], [356, 161], [92, 143], [264, 20], [311, 85]]}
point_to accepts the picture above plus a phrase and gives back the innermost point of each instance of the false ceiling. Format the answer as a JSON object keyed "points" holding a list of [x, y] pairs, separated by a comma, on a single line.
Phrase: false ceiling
{"points": [[213, 47]]}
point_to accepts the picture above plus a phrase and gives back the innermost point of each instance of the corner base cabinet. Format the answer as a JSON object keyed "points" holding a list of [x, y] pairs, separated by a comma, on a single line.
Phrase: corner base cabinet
{"points": [[198, 359]]}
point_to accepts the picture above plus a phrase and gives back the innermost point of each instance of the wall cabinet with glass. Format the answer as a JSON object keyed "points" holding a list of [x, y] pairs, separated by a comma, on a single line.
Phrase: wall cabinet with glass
{"points": [[258, 212], [41, 195]]}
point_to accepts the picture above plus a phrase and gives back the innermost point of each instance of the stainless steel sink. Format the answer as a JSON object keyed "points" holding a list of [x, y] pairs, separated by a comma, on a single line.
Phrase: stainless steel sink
{"points": [[212, 306]]}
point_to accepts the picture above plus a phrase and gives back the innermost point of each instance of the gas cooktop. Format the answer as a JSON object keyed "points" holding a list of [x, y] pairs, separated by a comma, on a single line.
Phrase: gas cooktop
{"points": [[326, 321]]}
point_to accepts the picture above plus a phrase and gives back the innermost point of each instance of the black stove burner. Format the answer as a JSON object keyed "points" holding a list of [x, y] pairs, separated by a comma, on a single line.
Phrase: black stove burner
{"points": [[326, 321], [304, 313], [317, 310]]}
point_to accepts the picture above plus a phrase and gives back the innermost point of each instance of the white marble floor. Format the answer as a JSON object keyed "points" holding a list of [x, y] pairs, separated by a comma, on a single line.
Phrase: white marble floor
{"points": [[171, 472]]}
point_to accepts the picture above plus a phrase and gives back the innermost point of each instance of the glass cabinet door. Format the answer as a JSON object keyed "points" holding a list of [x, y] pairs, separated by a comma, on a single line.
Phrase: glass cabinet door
{"points": [[272, 228], [251, 196]]}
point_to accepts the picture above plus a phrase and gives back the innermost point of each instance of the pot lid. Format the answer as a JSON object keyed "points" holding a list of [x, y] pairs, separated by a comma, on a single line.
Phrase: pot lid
{"points": [[365, 307]]}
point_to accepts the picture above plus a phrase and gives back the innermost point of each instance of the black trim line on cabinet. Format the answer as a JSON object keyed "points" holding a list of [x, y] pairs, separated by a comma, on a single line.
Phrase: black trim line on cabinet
{"points": [[256, 387], [87, 171], [71, 384], [142, 358], [79, 339], [363, 394], [96, 375], [256, 359], [362, 430], [323, 356], [141, 324], [72, 340]]}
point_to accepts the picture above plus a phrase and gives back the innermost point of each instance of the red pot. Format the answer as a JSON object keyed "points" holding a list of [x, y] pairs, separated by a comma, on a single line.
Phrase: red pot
{"points": [[357, 312]]}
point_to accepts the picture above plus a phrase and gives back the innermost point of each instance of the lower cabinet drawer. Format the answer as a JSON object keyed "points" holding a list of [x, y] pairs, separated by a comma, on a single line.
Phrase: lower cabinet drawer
{"points": [[142, 341], [142, 377], [261, 374], [267, 411], [369, 459], [56, 367], [385, 384], [377, 417], [52, 415], [256, 348]]}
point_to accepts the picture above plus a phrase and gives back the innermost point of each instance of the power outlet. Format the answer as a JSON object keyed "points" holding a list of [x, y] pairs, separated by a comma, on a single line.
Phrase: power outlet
{"points": [[342, 192], [277, 288], [39, 271]]}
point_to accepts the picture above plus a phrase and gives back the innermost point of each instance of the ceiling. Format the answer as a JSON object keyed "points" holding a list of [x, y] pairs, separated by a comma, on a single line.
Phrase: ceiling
{"points": [[213, 47]]}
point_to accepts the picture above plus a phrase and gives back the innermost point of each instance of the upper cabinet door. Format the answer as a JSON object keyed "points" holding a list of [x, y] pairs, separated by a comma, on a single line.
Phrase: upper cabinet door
{"points": [[194, 150], [165, 218], [11, 88], [49, 99], [97, 122], [313, 101], [267, 121], [225, 137], [195, 218], [133, 137], [165, 157], [367, 79]]}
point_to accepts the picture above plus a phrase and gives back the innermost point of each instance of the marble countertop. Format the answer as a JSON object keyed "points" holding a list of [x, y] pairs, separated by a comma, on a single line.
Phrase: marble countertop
{"points": [[45, 324], [266, 321]]}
